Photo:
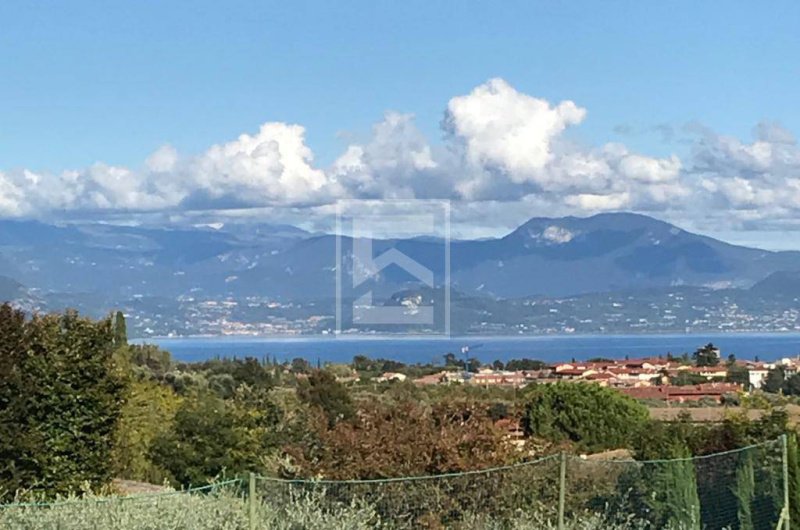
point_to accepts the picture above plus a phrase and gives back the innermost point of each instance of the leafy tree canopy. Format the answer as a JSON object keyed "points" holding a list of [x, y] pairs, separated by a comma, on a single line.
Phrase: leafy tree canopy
{"points": [[708, 355], [594, 417]]}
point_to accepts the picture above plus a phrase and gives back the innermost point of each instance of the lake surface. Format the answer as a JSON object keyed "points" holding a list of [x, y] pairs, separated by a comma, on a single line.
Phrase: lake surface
{"points": [[432, 350]]}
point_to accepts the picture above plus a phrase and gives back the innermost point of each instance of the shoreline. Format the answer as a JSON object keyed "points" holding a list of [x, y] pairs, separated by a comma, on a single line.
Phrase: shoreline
{"points": [[319, 337]]}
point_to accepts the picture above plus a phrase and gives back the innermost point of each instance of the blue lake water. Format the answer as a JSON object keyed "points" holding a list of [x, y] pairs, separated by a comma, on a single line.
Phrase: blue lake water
{"points": [[431, 350]]}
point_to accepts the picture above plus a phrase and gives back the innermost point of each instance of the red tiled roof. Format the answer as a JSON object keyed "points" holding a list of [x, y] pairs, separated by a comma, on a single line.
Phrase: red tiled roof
{"points": [[714, 390], [576, 372]]}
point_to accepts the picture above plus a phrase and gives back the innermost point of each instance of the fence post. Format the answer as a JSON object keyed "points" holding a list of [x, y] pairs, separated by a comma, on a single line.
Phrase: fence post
{"points": [[251, 502], [562, 490], [787, 521]]}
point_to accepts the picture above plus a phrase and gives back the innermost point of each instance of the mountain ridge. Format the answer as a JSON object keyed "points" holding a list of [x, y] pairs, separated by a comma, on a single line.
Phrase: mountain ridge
{"points": [[554, 257]]}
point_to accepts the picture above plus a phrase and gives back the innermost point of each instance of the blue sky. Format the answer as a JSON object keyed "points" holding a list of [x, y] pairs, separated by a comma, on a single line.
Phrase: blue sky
{"points": [[81, 84]]}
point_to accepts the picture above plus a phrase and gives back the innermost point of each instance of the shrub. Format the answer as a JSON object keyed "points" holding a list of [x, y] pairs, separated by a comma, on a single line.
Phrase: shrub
{"points": [[61, 396], [593, 417]]}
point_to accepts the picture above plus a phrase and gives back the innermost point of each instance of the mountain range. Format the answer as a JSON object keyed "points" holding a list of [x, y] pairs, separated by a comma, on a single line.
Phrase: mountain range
{"points": [[98, 267]]}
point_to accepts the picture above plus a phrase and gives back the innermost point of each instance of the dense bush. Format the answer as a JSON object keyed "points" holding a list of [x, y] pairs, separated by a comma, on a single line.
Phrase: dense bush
{"points": [[202, 444], [404, 438], [148, 414], [592, 417], [61, 396], [321, 390]]}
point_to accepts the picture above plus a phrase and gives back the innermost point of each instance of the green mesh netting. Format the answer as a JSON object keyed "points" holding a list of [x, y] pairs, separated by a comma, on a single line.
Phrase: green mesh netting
{"points": [[737, 490]]}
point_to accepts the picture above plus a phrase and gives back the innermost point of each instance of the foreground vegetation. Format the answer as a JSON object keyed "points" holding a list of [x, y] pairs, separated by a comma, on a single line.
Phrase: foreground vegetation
{"points": [[80, 406], [227, 511]]}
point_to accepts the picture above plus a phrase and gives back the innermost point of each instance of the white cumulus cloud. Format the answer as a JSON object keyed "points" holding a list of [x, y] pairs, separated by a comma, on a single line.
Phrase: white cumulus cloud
{"points": [[757, 180], [505, 129], [504, 156]]}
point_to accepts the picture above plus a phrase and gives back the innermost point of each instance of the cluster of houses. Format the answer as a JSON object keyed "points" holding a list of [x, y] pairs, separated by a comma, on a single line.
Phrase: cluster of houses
{"points": [[648, 378]]}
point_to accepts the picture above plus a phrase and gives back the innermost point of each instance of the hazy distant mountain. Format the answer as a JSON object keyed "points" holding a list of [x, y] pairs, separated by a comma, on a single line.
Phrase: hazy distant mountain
{"points": [[121, 261], [554, 257], [10, 289], [780, 284], [104, 265], [566, 256]]}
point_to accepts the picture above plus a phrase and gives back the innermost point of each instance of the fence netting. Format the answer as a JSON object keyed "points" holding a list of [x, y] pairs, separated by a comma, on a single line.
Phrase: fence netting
{"points": [[220, 506], [435, 501], [736, 490], [741, 489]]}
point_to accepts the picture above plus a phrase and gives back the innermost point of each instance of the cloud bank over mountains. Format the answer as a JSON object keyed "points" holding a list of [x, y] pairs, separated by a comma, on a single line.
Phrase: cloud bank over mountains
{"points": [[504, 154]]}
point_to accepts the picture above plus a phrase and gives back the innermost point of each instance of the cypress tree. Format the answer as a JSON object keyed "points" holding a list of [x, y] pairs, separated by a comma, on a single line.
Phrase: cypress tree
{"points": [[120, 330], [744, 490], [663, 490], [671, 494], [794, 477]]}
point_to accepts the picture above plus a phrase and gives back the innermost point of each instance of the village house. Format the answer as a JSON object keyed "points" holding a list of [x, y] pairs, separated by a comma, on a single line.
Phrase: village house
{"points": [[391, 376], [432, 379], [496, 377], [708, 372], [756, 374], [647, 373], [682, 394]]}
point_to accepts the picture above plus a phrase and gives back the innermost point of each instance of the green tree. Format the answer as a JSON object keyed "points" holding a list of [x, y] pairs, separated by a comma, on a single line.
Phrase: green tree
{"points": [[14, 473], [61, 396], [773, 383], [322, 390], [665, 490], [744, 491], [300, 366], [148, 413], [674, 503], [203, 443], [120, 330], [794, 476], [210, 436], [249, 371], [525, 364], [593, 417], [791, 387], [739, 375], [473, 365], [450, 359], [342, 371], [148, 360], [362, 363], [222, 384], [708, 355], [685, 378], [260, 425]]}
